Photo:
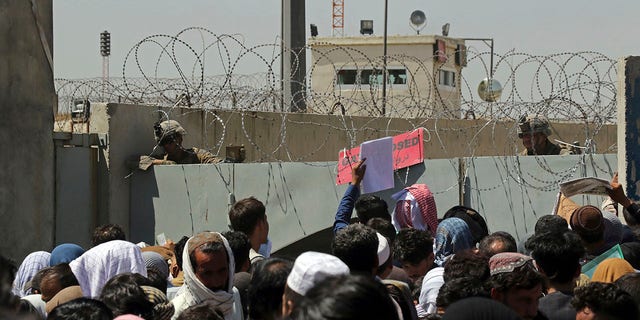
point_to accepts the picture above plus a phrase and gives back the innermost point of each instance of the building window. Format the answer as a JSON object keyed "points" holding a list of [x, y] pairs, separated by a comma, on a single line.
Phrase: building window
{"points": [[347, 76], [397, 76], [371, 76], [446, 78]]}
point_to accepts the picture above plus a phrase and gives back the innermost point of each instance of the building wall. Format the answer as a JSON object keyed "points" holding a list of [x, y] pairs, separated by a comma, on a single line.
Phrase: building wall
{"points": [[301, 198], [415, 53], [27, 97], [295, 137]]}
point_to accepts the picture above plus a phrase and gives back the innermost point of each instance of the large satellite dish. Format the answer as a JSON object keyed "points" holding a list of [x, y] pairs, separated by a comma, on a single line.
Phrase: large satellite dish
{"points": [[418, 20]]}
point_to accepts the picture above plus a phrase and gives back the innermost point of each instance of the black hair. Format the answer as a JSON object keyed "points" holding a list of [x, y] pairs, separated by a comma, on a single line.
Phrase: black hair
{"points": [[506, 239], [524, 277], [630, 283], [245, 215], [467, 264], [357, 246], [240, 246], [203, 310], [81, 309], [124, 296], [157, 280], [177, 250], [383, 227], [369, 207], [129, 277], [346, 297], [551, 223], [606, 300], [413, 245], [267, 286], [557, 254], [458, 289], [106, 233], [209, 248], [477, 224]]}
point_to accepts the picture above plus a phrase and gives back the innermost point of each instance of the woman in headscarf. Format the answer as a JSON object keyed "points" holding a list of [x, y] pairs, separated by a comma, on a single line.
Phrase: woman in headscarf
{"points": [[33, 263], [208, 265], [65, 253], [101, 263], [453, 235], [611, 270]]}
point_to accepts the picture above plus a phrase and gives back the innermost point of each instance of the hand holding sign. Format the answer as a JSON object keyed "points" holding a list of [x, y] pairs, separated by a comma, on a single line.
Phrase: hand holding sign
{"points": [[616, 193], [357, 172]]}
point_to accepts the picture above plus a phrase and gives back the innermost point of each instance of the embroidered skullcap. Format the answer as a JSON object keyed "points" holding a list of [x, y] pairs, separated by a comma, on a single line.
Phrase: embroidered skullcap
{"points": [[506, 262]]}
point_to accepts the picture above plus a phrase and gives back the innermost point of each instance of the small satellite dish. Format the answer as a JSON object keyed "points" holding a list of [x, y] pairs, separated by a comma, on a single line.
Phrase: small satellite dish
{"points": [[490, 90], [418, 20]]}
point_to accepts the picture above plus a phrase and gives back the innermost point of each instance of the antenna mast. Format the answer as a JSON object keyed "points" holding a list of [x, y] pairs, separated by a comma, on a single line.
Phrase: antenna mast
{"points": [[337, 18]]}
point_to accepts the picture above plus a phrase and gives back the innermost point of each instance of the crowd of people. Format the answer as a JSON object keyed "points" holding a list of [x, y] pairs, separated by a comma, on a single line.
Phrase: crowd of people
{"points": [[407, 264]]}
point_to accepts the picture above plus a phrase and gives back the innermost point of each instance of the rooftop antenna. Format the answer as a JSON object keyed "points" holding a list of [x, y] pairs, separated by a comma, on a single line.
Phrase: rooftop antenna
{"points": [[418, 20], [445, 29]]}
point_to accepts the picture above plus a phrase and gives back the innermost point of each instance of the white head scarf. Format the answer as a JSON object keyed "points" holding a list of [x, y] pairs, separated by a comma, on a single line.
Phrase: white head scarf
{"points": [[33, 263], [194, 291], [99, 264]]}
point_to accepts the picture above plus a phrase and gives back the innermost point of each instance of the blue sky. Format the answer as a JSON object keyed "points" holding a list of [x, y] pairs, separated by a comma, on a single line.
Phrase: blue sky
{"points": [[535, 27]]}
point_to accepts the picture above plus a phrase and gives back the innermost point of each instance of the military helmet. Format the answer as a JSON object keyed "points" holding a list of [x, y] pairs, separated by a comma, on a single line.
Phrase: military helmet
{"points": [[166, 131], [533, 124]]}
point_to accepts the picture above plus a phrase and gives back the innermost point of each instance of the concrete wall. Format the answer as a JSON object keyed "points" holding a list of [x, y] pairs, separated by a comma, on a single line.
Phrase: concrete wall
{"points": [[301, 198], [628, 125], [27, 98], [270, 137]]}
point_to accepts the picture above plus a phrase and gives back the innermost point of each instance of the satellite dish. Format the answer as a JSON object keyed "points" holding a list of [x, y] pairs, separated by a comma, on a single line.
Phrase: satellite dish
{"points": [[490, 90], [418, 20]]}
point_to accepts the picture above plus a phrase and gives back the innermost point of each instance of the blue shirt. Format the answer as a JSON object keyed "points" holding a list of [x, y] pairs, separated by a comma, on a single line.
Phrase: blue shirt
{"points": [[345, 208]]}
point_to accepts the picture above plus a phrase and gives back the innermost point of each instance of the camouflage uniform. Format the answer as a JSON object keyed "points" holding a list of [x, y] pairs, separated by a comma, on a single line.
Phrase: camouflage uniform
{"points": [[537, 124], [550, 149], [166, 132], [194, 156]]}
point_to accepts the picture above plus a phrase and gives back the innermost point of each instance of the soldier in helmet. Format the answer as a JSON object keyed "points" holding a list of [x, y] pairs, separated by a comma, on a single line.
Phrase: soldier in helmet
{"points": [[169, 136], [534, 130]]}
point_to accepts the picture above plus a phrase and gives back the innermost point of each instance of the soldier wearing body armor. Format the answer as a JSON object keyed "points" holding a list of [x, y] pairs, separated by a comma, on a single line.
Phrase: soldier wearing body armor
{"points": [[169, 136], [534, 131]]}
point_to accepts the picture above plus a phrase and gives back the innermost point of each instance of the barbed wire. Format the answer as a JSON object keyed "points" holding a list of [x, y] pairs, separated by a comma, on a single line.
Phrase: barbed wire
{"points": [[199, 69]]}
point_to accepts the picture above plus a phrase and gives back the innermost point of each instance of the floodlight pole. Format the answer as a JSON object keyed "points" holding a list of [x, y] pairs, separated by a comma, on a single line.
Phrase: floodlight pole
{"points": [[489, 43], [384, 61]]}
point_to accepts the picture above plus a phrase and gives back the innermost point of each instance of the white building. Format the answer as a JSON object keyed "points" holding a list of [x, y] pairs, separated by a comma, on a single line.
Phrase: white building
{"points": [[423, 74]]}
